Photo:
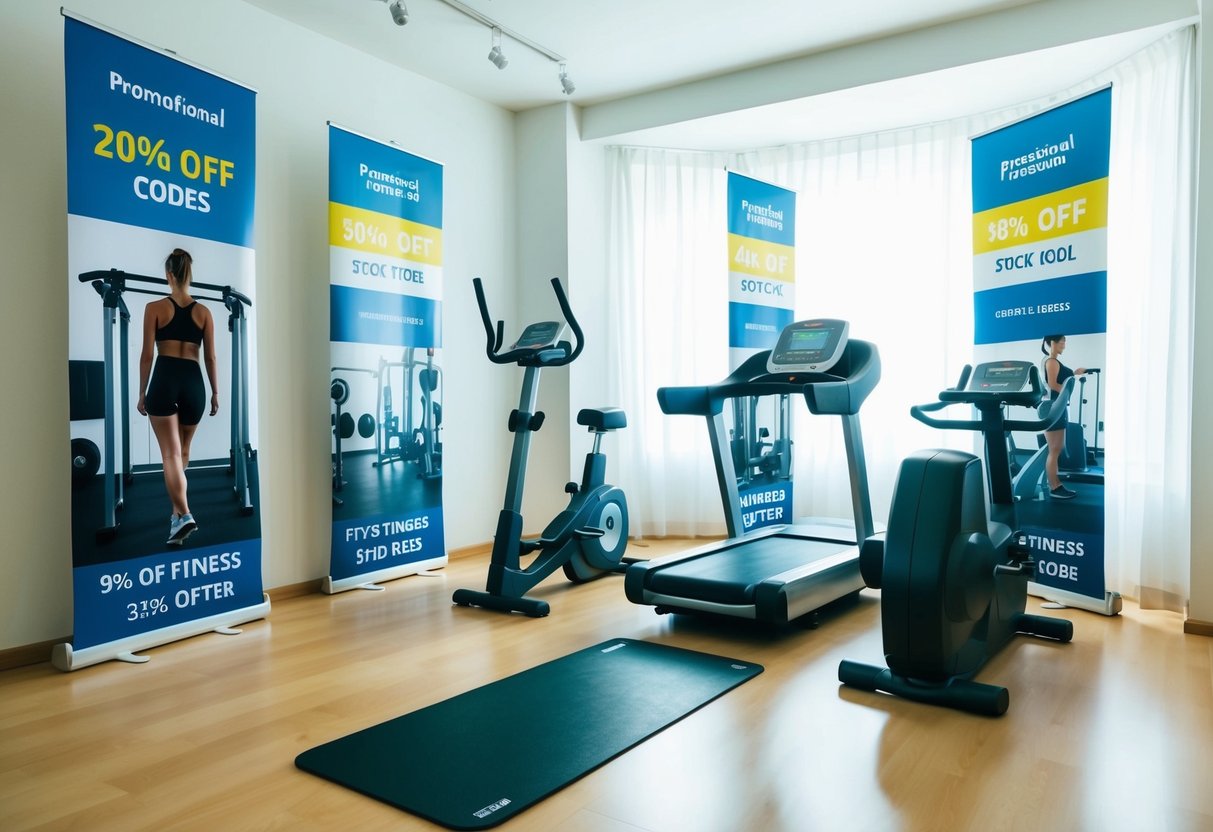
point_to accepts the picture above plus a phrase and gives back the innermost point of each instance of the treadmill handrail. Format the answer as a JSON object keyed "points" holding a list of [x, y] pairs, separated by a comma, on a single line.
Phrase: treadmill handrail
{"points": [[831, 393]]}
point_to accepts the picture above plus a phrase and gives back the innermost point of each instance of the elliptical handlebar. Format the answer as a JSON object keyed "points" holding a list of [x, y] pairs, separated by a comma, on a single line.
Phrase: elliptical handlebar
{"points": [[494, 336], [958, 395], [1056, 408]]}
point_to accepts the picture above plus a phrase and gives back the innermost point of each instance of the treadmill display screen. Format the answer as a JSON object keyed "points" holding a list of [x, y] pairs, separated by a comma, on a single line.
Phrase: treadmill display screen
{"points": [[809, 346], [809, 339]]}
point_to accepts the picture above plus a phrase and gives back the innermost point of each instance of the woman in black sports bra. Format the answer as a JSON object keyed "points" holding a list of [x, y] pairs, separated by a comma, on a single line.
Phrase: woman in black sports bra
{"points": [[177, 329], [1056, 375]]}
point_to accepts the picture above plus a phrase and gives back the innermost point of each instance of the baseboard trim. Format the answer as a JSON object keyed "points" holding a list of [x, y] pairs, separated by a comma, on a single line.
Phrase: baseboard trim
{"points": [[283, 593], [28, 654], [1198, 628], [470, 551]]}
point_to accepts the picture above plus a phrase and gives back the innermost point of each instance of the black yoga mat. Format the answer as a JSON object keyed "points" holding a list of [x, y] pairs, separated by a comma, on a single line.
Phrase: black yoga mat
{"points": [[480, 758]]}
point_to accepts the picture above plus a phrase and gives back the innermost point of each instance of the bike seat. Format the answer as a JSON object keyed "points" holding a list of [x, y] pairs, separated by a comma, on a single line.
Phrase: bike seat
{"points": [[602, 418]]}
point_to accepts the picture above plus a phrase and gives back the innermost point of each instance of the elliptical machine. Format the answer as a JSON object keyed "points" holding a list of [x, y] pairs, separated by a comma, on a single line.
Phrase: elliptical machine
{"points": [[589, 536], [953, 578]]}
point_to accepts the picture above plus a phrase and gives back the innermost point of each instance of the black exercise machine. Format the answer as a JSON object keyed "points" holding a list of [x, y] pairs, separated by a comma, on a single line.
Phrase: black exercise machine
{"points": [[783, 572], [953, 570], [589, 536]]}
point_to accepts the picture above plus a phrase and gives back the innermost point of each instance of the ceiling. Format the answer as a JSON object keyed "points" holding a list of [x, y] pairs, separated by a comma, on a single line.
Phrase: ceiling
{"points": [[619, 48], [614, 48]]}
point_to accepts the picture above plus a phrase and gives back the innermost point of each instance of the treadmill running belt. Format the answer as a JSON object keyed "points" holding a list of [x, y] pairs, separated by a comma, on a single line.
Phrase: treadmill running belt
{"points": [[730, 575]]}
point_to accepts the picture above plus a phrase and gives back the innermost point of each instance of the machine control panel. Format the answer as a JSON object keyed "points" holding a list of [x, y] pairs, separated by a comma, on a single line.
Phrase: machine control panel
{"points": [[812, 346], [539, 335]]}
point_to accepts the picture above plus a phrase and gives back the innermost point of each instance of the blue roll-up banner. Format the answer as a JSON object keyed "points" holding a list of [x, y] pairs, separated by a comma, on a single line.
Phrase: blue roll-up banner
{"points": [[385, 376], [1040, 196], [762, 282], [160, 156]]}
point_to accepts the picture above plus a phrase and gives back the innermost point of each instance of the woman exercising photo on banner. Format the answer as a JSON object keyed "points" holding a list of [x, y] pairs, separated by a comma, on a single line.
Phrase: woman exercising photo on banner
{"points": [[1056, 374], [175, 398]]}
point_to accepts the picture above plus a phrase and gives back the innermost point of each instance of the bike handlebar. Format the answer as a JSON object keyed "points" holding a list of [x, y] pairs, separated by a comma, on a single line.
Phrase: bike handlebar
{"points": [[495, 335]]}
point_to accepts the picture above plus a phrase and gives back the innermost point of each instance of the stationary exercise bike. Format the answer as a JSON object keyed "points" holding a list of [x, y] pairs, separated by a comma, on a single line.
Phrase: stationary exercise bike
{"points": [[587, 539], [953, 578]]}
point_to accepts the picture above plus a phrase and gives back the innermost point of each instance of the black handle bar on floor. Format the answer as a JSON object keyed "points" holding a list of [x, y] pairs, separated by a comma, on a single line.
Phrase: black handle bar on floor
{"points": [[496, 335]]}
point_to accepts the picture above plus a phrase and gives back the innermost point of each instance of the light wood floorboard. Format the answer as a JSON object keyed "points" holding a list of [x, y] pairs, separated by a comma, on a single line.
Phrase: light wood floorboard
{"points": [[1112, 731]]}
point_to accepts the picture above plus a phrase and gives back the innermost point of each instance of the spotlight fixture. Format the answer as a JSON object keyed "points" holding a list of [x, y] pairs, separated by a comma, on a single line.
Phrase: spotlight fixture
{"points": [[496, 56], [400, 13]]}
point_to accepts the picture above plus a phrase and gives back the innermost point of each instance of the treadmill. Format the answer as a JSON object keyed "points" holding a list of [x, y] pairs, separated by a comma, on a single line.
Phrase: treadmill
{"points": [[780, 573]]}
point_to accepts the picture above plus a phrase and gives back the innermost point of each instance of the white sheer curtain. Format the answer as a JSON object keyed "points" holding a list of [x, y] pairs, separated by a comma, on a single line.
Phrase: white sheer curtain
{"points": [[883, 240], [666, 310], [1150, 292]]}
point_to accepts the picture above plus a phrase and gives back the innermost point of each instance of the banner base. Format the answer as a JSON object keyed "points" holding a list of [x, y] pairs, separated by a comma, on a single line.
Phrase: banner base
{"points": [[331, 586], [63, 657], [1110, 604]]}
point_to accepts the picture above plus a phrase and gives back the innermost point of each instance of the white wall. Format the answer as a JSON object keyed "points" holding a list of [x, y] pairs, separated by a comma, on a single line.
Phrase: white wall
{"points": [[303, 80], [587, 222], [543, 253], [1200, 607]]}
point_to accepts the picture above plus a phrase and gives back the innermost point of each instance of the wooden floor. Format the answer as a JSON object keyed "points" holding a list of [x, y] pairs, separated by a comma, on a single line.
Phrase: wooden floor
{"points": [[1111, 732]]}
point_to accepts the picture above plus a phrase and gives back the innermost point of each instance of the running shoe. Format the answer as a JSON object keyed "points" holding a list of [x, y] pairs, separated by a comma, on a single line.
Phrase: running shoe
{"points": [[181, 528]]}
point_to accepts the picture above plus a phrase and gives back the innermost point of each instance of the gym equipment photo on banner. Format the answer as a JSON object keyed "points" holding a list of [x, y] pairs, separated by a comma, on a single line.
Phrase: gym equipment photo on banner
{"points": [[386, 421], [112, 496]]}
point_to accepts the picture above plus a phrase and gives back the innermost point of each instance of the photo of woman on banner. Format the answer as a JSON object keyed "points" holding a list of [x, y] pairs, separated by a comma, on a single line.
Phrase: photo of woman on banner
{"points": [[177, 330], [1055, 376], [173, 350]]}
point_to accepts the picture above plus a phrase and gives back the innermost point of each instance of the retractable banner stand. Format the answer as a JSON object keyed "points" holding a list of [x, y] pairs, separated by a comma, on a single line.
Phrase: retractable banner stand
{"points": [[1040, 197], [762, 279], [385, 378], [160, 157]]}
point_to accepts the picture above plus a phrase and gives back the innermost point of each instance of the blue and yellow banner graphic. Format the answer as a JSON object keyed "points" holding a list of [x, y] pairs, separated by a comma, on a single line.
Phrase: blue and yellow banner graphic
{"points": [[160, 157], [385, 376], [762, 264], [156, 143], [762, 282], [1040, 231]]}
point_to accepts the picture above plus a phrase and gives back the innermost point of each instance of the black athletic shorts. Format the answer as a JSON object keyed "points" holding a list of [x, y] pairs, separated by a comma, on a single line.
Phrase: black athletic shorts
{"points": [[176, 388], [1060, 421]]}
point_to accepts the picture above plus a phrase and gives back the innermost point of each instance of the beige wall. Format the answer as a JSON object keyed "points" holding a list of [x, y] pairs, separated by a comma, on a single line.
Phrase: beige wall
{"points": [[303, 80]]}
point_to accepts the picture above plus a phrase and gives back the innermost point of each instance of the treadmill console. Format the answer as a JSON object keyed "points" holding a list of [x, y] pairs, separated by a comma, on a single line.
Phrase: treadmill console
{"points": [[539, 336], [809, 346]]}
